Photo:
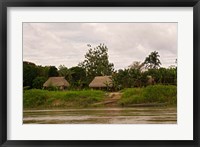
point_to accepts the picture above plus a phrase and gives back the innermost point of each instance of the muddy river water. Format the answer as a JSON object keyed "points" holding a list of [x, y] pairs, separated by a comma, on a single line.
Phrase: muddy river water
{"points": [[136, 115]]}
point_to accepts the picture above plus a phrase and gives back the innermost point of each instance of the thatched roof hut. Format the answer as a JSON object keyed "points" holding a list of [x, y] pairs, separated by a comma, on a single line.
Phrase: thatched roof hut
{"points": [[56, 82], [151, 80], [101, 82]]}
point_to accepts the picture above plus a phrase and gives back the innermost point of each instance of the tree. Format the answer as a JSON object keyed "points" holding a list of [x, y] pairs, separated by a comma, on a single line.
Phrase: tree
{"points": [[29, 73], [53, 71], [38, 82], [96, 62], [168, 75], [63, 71], [136, 65], [78, 75], [42, 71], [152, 61], [135, 77], [153, 73], [126, 78]]}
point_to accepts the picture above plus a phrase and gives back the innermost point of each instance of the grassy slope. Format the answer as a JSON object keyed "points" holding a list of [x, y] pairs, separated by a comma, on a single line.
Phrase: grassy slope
{"points": [[42, 98], [150, 94], [36, 98]]}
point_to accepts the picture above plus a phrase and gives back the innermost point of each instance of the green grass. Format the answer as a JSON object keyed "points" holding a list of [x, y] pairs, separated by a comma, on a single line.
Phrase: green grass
{"points": [[150, 94], [35, 98]]}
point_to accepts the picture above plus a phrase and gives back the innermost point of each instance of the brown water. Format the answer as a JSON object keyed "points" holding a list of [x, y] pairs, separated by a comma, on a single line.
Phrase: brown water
{"points": [[137, 115]]}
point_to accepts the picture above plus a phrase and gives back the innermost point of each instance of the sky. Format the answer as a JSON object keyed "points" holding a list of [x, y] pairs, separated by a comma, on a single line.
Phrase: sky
{"points": [[66, 43]]}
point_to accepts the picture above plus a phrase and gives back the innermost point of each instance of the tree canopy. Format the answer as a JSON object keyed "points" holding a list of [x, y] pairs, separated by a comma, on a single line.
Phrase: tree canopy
{"points": [[29, 73], [152, 61], [53, 71], [96, 62]]}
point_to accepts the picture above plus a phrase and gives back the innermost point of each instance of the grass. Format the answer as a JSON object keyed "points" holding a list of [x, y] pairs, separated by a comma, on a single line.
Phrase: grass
{"points": [[150, 94], [35, 98]]}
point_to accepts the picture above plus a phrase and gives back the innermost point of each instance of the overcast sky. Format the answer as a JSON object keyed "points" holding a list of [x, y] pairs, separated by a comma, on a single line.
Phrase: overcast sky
{"points": [[66, 43]]}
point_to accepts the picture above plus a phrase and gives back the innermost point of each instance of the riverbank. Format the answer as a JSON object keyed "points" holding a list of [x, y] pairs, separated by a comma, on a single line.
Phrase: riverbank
{"points": [[154, 95]]}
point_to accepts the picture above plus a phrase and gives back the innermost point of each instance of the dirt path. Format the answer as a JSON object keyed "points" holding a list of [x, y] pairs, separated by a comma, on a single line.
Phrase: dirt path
{"points": [[111, 100]]}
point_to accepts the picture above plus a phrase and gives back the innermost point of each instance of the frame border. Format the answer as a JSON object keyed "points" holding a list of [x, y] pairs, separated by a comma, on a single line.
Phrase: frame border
{"points": [[98, 3]]}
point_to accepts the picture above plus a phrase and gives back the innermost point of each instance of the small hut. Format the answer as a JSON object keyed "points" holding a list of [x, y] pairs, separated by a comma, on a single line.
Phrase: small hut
{"points": [[58, 82], [101, 82], [150, 80]]}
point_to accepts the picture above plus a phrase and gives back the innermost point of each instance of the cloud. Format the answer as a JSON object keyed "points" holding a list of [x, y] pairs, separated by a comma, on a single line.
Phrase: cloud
{"points": [[66, 43]]}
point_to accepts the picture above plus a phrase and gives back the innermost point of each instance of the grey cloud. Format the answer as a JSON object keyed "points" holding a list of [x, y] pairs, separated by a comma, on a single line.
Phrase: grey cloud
{"points": [[66, 43]]}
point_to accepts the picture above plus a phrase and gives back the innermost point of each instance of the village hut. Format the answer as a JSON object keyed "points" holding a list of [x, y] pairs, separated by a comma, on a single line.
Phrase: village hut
{"points": [[101, 82], [58, 82], [150, 80]]}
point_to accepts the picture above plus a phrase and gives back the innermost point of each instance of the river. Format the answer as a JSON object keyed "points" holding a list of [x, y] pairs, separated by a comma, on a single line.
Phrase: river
{"points": [[136, 115]]}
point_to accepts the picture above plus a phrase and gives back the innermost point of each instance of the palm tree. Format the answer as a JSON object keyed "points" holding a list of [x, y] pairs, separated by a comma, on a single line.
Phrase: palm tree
{"points": [[152, 61]]}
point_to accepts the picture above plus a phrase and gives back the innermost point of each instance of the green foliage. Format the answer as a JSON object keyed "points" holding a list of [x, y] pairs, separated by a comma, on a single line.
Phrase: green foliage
{"points": [[153, 61], [78, 75], [154, 73], [127, 78], [38, 82], [64, 72], [161, 93], [53, 71], [168, 76], [136, 65], [96, 62], [42, 71], [150, 94], [34, 98], [120, 79], [133, 77], [131, 96], [43, 98], [29, 73], [52, 88]]}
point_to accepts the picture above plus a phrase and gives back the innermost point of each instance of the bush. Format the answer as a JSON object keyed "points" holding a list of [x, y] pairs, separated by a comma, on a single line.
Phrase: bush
{"points": [[38, 82]]}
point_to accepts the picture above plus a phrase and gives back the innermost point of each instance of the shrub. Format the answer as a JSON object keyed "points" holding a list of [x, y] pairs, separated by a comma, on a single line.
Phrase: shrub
{"points": [[38, 82]]}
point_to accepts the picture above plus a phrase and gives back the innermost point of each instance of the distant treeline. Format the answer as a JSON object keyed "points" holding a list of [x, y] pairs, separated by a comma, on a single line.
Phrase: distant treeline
{"points": [[34, 76], [96, 63]]}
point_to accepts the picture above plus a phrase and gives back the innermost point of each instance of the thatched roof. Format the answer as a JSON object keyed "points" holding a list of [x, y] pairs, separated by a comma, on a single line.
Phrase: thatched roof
{"points": [[101, 81], [56, 81]]}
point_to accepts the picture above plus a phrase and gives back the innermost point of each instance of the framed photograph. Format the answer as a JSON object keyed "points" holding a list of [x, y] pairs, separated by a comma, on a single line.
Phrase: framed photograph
{"points": [[99, 73]]}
